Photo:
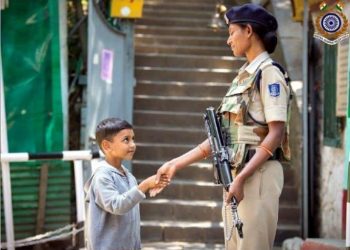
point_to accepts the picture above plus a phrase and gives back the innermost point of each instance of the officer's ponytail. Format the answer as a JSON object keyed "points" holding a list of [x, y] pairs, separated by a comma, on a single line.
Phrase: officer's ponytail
{"points": [[267, 36], [270, 41]]}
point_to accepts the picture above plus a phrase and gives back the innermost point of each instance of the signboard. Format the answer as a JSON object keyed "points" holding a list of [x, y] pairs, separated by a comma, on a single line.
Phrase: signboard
{"points": [[126, 8]]}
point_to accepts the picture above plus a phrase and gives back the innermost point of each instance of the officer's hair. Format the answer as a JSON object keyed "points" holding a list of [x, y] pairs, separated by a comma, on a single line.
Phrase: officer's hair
{"points": [[108, 128], [268, 37]]}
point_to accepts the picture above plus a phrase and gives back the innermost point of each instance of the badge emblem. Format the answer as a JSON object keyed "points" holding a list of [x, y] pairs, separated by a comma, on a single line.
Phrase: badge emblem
{"points": [[331, 25], [274, 89]]}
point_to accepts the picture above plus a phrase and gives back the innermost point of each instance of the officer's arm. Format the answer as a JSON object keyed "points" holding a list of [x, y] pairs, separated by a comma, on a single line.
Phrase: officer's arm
{"points": [[196, 154], [271, 143]]}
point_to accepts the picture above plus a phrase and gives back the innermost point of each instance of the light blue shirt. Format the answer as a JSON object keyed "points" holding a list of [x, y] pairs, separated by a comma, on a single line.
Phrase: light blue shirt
{"points": [[113, 217]]}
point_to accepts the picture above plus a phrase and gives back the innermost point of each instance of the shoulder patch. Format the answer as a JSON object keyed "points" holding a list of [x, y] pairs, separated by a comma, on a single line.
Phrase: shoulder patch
{"points": [[274, 89]]}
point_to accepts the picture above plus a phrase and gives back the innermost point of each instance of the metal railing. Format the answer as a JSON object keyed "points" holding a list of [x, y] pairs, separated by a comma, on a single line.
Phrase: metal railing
{"points": [[77, 157]]}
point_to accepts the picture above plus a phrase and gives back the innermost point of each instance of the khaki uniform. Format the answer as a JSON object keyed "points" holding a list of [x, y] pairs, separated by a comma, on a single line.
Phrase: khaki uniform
{"points": [[245, 113]]}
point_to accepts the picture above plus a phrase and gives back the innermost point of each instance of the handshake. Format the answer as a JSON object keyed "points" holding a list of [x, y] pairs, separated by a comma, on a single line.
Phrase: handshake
{"points": [[156, 183]]}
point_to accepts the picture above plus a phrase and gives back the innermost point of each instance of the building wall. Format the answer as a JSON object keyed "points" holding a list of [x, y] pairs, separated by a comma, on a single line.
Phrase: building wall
{"points": [[331, 183], [332, 171], [290, 37]]}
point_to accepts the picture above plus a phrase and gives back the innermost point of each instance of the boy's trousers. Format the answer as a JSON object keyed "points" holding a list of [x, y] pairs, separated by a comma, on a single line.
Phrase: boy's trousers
{"points": [[258, 210]]}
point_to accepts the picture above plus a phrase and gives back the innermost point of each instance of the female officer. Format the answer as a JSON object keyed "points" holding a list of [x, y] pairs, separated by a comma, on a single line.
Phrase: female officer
{"points": [[255, 113]]}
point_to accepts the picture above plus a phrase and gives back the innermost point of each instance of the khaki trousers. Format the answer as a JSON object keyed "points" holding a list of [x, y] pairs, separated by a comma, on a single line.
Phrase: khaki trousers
{"points": [[258, 210]]}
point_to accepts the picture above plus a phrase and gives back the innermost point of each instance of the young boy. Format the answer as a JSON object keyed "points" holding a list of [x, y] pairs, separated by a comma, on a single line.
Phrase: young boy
{"points": [[113, 195]]}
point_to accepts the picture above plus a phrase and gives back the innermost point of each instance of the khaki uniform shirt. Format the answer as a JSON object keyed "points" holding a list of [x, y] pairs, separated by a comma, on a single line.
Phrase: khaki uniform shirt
{"points": [[269, 104]]}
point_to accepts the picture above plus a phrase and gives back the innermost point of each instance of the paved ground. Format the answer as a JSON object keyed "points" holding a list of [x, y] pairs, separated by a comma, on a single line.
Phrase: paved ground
{"points": [[184, 246]]}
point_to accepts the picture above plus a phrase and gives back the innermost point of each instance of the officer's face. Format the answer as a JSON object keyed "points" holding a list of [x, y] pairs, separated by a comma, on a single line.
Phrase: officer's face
{"points": [[238, 39]]}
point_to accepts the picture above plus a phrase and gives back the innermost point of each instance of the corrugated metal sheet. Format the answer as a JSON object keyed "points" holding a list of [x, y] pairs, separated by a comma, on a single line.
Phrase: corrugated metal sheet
{"points": [[25, 180]]}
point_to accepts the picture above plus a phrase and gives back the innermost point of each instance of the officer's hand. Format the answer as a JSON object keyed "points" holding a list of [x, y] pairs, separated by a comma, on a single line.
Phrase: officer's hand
{"points": [[167, 169], [235, 190]]}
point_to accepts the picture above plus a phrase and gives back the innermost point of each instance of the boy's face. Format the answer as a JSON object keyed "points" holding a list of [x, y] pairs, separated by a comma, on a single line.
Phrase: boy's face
{"points": [[122, 145]]}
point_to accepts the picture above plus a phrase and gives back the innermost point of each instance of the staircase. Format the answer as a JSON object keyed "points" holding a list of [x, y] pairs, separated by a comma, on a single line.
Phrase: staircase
{"points": [[182, 67]]}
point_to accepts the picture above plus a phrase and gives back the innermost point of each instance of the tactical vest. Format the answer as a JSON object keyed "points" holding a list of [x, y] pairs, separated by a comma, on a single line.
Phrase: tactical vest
{"points": [[241, 128]]}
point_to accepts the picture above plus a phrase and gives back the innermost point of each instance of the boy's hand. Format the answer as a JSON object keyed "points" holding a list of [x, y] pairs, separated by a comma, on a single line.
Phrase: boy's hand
{"points": [[162, 183], [150, 183]]}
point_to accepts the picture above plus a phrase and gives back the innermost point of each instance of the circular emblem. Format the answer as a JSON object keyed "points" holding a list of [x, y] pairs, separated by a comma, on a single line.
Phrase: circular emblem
{"points": [[331, 22]]}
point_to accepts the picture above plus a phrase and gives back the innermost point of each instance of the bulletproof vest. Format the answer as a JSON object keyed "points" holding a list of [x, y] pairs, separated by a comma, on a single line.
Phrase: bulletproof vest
{"points": [[240, 127]]}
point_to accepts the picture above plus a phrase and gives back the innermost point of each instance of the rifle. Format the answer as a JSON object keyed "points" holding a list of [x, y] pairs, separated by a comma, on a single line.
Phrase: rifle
{"points": [[221, 160]]}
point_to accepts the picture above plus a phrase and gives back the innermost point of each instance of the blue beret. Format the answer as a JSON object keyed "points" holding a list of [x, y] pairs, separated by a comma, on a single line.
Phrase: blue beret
{"points": [[251, 13]]}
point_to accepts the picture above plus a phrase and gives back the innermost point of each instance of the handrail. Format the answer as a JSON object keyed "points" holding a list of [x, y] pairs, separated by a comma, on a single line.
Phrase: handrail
{"points": [[62, 155]]}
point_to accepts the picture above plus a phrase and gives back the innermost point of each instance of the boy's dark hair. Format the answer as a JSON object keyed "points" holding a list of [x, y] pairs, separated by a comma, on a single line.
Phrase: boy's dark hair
{"points": [[108, 128]]}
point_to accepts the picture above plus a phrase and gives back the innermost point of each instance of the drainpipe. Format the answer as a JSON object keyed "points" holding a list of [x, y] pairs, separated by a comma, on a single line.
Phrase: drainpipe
{"points": [[305, 175]]}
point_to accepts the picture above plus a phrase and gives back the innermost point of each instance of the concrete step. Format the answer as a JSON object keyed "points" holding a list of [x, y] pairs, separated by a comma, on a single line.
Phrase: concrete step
{"points": [[198, 190], [163, 88], [181, 210], [168, 119], [178, 104], [289, 214], [183, 50], [150, 12], [174, 21], [184, 74], [180, 31], [208, 232], [199, 210], [160, 151], [202, 171], [169, 135], [168, 231], [188, 61], [178, 40], [213, 2], [189, 190], [285, 231], [176, 245], [180, 6]]}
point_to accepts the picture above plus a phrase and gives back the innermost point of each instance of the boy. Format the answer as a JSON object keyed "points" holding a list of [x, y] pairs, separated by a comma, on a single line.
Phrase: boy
{"points": [[113, 220]]}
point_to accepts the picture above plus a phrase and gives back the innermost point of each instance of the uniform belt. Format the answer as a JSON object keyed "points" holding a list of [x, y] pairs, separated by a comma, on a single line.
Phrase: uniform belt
{"points": [[277, 155]]}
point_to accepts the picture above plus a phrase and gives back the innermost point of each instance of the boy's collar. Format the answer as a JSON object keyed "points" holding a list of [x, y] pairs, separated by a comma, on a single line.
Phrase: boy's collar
{"points": [[126, 171]]}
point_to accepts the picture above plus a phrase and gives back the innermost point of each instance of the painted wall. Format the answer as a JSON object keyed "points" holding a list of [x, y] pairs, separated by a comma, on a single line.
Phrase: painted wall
{"points": [[332, 171]]}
